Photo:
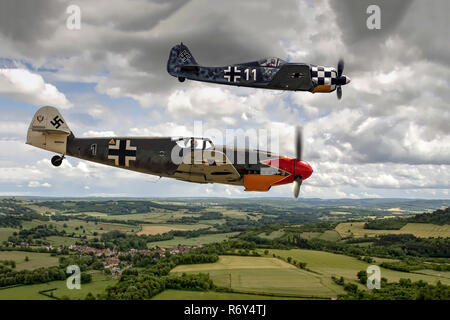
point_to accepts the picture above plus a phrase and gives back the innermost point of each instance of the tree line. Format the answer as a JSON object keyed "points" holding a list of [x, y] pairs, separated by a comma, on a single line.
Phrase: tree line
{"points": [[439, 217]]}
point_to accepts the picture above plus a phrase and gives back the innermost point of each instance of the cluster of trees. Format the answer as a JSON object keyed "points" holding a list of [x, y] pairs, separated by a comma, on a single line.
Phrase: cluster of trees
{"points": [[144, 284], [10, 263], [14, 213], [389, 246], [140, 260], [9, 277], [122, 241], [138, 287], [53, 252], [192, 233], [409, 265], [385, 224], [117, 221], [85, 262], [35, 235], [409, 245], [312, 227], [257, 230], [291, 238], [227, 247], [439, 217], [198, 282], [299, 264], [111, 207], [404, 289], [138, 283], [206, 215]]}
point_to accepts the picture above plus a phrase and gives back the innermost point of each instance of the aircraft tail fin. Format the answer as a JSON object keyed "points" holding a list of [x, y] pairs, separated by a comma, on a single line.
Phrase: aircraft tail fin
{"points": [[48, 130], [179, 56]]}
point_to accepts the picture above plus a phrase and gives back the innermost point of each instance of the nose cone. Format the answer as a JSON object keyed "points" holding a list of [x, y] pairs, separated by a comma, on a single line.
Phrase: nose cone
{"points": [[303, 169], [347, 80]]}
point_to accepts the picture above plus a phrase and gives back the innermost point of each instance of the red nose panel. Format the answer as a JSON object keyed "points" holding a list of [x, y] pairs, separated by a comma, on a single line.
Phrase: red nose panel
{"points": [[292, 166]]}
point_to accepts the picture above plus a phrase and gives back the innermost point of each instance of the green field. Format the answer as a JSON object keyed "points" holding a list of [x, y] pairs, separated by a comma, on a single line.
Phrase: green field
{"points": [[421, 230], [212, 295], [5, 233], [329, 235], [61, 241], [151, 229], [267, 275], [330, 264], [31, 292], [202, 239], [151, 217], [236, 214], [272, 235], [80, 227], [264, 275], [36, 260]]}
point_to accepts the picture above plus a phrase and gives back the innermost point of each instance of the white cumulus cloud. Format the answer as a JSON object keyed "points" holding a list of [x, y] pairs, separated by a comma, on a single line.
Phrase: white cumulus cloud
{"points": [[30, 87]]}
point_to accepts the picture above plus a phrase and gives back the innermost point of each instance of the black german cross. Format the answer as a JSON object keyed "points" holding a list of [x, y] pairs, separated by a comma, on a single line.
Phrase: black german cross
{"points": [[121, 154], [232, 73]]}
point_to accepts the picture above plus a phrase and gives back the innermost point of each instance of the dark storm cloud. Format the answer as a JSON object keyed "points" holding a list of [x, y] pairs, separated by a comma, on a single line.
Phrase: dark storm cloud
{"points": [[427, 26], [145, 32], [28, 20], [145, 15], [213, 36], [417, 27], [352, 16]]}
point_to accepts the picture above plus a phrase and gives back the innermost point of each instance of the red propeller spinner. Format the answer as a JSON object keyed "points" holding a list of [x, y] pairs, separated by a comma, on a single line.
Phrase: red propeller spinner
{"points": [[298, 169]]}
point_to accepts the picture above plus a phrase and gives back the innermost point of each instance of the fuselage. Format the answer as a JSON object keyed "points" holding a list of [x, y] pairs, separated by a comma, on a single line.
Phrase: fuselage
{"points": [[283, 76], [269, 73], [189, 159]]}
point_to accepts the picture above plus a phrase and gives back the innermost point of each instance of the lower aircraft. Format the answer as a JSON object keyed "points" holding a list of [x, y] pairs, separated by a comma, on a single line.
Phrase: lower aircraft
{"points": [[269, 73], [183, 158]]}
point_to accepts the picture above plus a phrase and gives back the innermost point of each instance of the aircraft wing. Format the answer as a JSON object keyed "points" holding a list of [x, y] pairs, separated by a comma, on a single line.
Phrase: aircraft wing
{"points": [[207, 166]]}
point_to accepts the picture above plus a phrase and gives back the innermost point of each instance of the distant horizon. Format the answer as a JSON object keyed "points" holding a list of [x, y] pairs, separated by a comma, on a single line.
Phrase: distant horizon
{"points": [[218, 197]]}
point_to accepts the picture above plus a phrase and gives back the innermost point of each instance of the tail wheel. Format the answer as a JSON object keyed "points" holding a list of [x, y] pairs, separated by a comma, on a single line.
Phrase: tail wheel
{"points": [[181, 79], [57, 160]]}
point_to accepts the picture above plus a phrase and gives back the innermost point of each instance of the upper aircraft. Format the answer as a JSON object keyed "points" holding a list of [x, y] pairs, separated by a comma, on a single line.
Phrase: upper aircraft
{"points": [[268, 73]]}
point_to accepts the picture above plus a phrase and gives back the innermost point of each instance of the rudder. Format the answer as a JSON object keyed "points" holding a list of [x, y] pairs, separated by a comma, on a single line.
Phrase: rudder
{"points": [[179, 56], [48, 130]]}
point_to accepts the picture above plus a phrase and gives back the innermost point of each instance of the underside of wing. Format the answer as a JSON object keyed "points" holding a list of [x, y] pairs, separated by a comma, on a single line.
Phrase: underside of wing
{"points": [[207, 166]]}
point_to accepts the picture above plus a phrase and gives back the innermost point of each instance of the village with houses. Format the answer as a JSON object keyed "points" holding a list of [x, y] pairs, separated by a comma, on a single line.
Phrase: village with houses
{"points": [[112, 257]]}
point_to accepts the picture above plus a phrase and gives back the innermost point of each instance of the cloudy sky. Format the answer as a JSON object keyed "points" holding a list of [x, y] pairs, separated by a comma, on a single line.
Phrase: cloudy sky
{"points": [[388, 137]]}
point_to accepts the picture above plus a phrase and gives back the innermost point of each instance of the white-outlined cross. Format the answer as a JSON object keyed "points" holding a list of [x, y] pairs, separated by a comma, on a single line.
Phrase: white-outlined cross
{"points": [[232, 74]]}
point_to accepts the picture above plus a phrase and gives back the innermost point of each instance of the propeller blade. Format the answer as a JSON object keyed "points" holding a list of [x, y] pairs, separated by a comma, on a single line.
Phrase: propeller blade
{"points": [[296, 187], [339, 92], [298, 143], [340, 67]]}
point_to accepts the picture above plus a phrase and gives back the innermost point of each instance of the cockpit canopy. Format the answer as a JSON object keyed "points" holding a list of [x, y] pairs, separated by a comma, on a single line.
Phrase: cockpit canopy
{"points": [[194, 143], [271, 62]]}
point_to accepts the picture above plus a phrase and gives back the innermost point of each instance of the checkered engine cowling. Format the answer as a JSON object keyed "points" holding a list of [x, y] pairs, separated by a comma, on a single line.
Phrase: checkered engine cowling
{"points": [[323, 75]]}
